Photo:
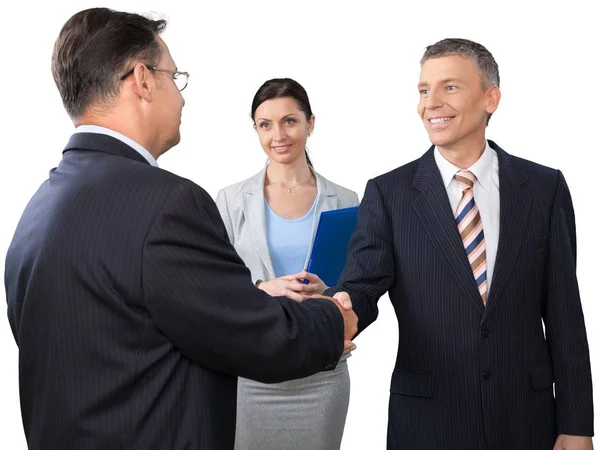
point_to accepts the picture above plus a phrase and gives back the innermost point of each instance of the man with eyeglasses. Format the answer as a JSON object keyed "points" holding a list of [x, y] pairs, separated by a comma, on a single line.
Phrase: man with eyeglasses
{"points": [[132, 311]]}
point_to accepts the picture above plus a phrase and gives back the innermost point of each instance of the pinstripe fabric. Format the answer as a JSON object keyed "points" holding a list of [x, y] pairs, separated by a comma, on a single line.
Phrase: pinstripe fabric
{"points": [[469, 377], [470, 228], [134, 315]]}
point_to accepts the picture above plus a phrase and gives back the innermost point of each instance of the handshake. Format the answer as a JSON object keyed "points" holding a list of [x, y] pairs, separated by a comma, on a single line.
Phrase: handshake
{"points": [[292, 286], [344, 303]]}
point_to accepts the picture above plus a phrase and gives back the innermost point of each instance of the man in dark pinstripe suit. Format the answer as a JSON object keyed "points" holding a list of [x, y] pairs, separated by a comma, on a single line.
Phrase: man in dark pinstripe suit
{"points": [[132, 311], [477, 250]]}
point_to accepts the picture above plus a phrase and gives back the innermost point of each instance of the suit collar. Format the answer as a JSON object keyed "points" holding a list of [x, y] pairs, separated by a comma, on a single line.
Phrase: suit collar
{"points": [[435, 213], [433, 208], [515, 208], [509, 165], [102, 143], [427, 174], [482, 169], [125, 139]]}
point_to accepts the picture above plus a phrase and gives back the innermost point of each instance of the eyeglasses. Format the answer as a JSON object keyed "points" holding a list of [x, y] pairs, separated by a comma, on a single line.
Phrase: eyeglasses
{"points": [[180, 78]]}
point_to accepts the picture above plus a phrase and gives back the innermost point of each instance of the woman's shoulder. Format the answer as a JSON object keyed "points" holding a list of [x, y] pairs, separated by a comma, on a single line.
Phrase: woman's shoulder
{"points": [[333, 188], [255, 182]]}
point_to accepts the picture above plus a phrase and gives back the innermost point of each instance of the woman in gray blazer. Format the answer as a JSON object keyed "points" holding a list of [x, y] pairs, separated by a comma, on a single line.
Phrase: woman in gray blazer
{"points": [[271, 220]]}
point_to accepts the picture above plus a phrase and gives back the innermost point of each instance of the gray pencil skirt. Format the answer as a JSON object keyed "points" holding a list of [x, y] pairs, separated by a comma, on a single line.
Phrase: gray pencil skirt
{"points": [[304, 414]]}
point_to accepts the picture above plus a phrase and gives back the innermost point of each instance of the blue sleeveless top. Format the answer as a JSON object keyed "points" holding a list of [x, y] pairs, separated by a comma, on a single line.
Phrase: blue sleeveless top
{"points": [[288, 240]]}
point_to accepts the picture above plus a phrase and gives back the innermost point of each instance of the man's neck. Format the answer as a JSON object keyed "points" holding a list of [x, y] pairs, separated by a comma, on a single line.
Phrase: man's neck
{"points": [[461, 155], [120, 125]]}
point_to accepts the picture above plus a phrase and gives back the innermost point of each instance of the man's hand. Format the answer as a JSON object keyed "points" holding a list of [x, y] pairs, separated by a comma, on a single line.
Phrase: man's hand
{"points": [[344, 304], [567, 442], [344, 299]]}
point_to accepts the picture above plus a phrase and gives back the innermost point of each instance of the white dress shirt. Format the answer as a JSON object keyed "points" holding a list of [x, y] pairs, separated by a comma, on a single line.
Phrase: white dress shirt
{"points": [[487, 197], [121, 137]]}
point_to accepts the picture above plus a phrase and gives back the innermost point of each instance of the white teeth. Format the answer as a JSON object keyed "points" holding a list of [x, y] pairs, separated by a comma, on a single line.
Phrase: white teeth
{"points": [[440, 120]]}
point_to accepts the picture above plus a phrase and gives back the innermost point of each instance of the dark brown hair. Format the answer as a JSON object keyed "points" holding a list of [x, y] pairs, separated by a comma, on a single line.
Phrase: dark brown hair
{"points": [[94, 49], [283, 87]]}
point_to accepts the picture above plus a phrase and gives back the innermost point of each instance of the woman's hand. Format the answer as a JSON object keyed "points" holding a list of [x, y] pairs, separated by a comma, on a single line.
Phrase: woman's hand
{"points": [[289, 286], [313, 281]]}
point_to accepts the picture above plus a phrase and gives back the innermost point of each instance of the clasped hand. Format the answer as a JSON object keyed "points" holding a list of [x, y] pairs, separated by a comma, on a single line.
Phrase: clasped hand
{"points": [[292, 286]]}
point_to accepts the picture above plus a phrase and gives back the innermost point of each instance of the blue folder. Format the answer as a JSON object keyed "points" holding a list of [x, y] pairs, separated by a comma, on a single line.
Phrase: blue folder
{"points": [[328, 256]]}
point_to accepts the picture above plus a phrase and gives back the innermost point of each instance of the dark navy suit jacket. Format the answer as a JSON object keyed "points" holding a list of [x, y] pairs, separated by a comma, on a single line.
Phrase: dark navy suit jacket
{"points": [[134, 314], [469, 377]]}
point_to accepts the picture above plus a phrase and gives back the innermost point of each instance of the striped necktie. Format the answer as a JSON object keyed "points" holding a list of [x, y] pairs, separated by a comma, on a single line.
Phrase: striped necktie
{"points": [[470, 228]]}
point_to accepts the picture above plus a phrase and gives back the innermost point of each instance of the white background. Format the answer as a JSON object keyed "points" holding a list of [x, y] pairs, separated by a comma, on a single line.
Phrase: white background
{"points": [[359, 62]]}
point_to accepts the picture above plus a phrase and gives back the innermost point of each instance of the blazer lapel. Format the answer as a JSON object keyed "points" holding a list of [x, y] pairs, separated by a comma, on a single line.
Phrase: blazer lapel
{"points": [[254, 212], [326, 201], [515, 201], [433, 208]]}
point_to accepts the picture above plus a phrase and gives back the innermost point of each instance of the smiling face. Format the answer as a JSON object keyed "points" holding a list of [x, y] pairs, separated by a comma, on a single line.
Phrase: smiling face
{"points": [[454, 103], [282, 129]]}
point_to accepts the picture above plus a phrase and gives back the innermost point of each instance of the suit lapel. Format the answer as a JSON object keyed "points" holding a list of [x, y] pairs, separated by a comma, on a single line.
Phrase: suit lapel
{"points": [[515, 201], [326, 201], [433, 208], [254, 212]]}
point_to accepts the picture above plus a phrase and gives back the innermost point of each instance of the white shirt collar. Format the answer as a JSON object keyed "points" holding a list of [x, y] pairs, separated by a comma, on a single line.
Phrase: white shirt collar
{"points": [[121, 137], [482, 168]]}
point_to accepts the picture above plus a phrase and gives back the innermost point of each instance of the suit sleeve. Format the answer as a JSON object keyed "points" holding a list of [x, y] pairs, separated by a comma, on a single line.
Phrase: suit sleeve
{"points": [[199, 293], [369, 270], [564, 322]]}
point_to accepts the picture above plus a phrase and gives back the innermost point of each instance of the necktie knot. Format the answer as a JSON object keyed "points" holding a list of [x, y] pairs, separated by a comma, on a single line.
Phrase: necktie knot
{"points": [[465, 178]]}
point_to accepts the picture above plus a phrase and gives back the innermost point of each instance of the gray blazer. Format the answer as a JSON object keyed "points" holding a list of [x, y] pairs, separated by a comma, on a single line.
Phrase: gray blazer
{"points": [[242, 207]]}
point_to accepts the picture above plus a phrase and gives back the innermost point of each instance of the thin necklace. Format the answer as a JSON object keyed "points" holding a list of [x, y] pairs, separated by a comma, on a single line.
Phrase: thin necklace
{"points": [[289, 189]]}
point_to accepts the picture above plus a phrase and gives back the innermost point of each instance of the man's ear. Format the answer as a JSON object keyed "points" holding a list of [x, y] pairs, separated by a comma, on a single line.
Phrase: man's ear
{"points": [[492, 99], [143, 82]]}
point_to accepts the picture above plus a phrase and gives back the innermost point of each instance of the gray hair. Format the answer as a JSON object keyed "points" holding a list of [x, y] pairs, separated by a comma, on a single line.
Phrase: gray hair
{"points": [[477, 53]]}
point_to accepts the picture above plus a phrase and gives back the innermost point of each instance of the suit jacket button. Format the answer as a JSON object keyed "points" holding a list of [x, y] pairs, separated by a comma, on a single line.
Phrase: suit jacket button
{"points": [[487, 375], [485, 332]]}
